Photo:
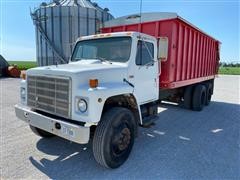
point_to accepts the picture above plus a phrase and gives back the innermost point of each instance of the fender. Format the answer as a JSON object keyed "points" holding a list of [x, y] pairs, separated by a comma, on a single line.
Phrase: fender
{"points": [[96, 98]]}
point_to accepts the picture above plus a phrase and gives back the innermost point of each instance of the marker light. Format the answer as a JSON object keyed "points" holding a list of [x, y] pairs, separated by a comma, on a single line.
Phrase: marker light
{"points": [[23, 75], [93, 83]]}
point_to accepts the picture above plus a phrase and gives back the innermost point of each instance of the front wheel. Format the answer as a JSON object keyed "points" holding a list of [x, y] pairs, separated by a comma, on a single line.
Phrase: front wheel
{"points": [[114, 137]]}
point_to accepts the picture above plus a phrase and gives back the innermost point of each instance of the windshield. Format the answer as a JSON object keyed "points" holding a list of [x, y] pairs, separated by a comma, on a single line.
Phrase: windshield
{"points": [[115, 49]]}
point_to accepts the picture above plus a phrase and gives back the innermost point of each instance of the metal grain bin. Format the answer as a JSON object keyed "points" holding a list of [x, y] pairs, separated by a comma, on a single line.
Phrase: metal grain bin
{"points": [[3, 66], [58, 25]]}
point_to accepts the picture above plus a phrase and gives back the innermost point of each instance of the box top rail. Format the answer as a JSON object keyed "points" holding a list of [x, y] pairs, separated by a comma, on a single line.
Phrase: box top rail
{"points": [[149, 17]]}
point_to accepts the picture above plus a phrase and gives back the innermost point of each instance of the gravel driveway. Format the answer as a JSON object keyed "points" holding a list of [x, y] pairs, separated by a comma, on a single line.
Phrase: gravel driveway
{"points": [[181, 145]]}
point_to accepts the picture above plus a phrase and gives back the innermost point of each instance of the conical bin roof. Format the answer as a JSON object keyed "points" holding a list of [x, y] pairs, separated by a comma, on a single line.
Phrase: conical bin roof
{"points": [[82, 3]]}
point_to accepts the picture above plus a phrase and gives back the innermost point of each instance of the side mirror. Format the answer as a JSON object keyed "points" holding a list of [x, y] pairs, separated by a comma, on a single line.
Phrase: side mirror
{"points": [[163, 48]]}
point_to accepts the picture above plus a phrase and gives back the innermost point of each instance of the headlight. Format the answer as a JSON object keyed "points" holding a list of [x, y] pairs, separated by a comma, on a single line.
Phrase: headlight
{"points": [[82, 105]]}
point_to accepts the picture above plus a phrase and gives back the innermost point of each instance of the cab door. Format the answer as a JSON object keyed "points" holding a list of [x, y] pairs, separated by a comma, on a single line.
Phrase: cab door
{"points": [[143, 71]]}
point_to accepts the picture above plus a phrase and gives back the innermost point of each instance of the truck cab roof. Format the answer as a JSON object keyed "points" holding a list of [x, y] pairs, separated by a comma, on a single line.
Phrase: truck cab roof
{"points": [[117, 34]]}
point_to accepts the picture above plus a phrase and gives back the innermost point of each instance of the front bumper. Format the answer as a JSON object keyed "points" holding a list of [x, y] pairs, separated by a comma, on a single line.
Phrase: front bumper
{"points": [[72, 132]]}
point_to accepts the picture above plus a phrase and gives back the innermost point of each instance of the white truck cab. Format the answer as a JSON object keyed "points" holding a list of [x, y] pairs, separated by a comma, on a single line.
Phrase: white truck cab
{"points": [[108, 88]]}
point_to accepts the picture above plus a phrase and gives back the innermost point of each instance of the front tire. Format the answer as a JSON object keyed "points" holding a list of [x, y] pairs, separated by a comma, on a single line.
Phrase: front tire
{"points": [[114, 137], [41, 132]]}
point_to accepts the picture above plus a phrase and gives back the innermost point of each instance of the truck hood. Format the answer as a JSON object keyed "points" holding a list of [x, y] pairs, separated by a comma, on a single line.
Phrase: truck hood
{"points": [[84, 70]]}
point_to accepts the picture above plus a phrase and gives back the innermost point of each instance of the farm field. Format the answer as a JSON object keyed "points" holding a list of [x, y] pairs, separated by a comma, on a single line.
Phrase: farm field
{"points": [[24, 65], [229, 70]]}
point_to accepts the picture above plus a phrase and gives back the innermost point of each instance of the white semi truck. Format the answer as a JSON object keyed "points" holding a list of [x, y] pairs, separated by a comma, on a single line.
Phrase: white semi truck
{"points": [[110, 86]]}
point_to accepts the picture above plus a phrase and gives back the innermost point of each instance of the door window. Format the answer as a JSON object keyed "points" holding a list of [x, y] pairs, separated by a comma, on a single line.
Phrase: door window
{"points": [[145, 53]]}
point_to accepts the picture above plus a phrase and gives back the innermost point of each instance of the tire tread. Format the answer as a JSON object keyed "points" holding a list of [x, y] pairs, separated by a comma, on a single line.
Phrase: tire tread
{"points": [[196, 105], [98, 141]]}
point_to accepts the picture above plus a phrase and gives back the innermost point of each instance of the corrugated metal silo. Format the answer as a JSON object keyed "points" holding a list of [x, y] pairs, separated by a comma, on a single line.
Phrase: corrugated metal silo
{"points": [[58, 25]]}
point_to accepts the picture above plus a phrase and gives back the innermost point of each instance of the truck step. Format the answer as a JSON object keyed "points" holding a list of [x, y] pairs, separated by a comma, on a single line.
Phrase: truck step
{"points": [[149, 121]]}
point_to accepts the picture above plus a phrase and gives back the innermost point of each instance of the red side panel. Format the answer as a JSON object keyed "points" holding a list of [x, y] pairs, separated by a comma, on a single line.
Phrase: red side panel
{"points": [[192, 55]]}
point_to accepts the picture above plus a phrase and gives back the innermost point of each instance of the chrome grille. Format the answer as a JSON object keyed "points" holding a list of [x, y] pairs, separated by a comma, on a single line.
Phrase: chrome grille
{"points": [[50, 94]]}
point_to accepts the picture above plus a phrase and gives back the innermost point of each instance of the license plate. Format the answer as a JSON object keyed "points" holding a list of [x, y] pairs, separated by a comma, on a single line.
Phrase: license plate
{"points": [[68, 131]]}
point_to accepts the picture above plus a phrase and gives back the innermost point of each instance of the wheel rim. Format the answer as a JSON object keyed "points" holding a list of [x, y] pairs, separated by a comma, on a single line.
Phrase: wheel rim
{"points": [[121, 139]]}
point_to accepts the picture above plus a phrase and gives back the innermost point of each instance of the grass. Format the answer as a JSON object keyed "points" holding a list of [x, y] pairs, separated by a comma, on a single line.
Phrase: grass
{"points": [[229, 70], [23, 65]]}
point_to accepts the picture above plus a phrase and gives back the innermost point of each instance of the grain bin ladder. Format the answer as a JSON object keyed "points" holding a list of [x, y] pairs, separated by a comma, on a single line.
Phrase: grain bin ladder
{"points": [[45, 36]]}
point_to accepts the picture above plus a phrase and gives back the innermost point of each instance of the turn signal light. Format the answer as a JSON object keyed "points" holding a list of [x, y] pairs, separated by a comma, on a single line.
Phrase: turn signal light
{"points": [[23, 75], [93, 83]]}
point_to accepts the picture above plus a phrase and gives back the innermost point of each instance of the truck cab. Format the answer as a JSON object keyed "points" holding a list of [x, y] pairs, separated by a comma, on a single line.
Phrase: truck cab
{"points": [[108, 88], [136, 52]]}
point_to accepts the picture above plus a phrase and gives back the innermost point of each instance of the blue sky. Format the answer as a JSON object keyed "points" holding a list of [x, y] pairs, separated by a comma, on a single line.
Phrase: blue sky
{"points": [[218, 18]]}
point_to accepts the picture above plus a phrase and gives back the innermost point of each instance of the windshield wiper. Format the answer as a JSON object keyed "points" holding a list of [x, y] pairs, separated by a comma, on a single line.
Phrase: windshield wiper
{"points": [[77, 59], [104, 60]]}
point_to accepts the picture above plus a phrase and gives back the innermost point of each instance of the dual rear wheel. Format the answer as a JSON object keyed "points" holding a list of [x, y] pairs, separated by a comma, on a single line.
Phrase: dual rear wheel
{"points": [[196, 97], [199, 97]]}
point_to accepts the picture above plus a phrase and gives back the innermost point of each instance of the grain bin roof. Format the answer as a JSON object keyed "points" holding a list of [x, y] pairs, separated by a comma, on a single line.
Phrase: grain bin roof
{"points": [[82, 3]]}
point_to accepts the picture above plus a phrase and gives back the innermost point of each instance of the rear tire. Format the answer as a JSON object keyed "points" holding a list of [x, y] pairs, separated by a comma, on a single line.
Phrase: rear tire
{"points": [[209, 90], [41, 132], [114, 137], [199, 97], [187, 98]]}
